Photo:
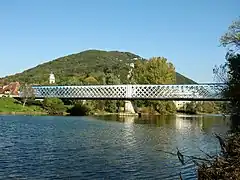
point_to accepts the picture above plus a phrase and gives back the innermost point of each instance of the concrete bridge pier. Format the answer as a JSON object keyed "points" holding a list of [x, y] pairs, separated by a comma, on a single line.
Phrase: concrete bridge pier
{"points": [[128, 107]]}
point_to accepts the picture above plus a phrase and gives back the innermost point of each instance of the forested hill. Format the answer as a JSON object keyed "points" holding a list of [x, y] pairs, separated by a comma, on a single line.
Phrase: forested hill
{"points": [[76, 68]]}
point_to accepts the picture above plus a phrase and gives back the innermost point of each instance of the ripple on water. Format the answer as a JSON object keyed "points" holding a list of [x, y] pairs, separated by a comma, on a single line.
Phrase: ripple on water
{"points": [[84, 148]]}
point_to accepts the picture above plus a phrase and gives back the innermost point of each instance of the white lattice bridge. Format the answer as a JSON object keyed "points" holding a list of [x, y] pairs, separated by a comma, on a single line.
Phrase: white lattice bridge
{"points": [[160, 92]]}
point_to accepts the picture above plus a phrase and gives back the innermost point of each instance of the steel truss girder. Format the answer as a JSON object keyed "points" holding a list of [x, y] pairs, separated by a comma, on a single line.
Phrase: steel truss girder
{"points": [[160, 92]]}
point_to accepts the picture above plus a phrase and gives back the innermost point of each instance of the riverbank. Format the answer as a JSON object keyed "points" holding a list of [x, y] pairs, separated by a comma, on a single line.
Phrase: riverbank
{"points": [[57, 107], [12, 106], [226, 166], [32, 112], [23, 113]]}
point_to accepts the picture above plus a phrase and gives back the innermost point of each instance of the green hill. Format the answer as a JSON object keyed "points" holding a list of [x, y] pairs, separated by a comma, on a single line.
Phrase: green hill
{"points": [[73, 69]]}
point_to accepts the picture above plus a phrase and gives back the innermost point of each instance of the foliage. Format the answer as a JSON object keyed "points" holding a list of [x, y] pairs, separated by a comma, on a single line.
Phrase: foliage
{"points": [[101, 67], [73, 69], [208, 107], [80, 109], [171, 107], [191, 108], [154, 71], [54, 106], [162, 107], [231, 71], [232, 37], [110, 106], [27, 92], [90, 80], [233, 86], [227, 165]]}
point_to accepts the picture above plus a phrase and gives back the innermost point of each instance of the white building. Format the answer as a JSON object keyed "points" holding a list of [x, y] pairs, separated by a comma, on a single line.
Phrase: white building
{"points": [[180, 104], [51, 78]]}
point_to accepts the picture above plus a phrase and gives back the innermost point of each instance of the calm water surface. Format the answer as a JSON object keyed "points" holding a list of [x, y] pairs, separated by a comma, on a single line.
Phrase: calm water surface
{"points": [[45, 147]]}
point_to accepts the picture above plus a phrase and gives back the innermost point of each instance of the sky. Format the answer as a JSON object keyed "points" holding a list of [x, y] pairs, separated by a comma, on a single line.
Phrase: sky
{"points": [[186, 32]]}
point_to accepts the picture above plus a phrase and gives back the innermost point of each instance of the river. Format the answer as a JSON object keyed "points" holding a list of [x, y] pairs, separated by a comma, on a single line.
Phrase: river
{"points": [[104, 147]]}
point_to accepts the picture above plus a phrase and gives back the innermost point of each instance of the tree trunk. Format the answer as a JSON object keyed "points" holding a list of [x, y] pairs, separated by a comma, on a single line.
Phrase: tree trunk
{"points": [[25, 100]]}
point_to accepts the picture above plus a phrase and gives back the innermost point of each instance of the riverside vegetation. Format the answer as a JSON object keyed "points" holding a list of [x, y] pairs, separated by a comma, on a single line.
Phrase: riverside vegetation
{"points": [[55, 106], [226, 164], [101, 67]]}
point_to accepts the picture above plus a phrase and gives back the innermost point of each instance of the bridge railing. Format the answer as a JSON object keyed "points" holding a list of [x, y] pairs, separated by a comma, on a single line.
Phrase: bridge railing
{"points": [[169, 92]]}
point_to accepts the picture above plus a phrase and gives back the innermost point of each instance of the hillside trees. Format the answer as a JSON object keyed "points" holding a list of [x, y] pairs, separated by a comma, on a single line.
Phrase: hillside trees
{"points": [[94, 67], [72, 69], [156, 70]]}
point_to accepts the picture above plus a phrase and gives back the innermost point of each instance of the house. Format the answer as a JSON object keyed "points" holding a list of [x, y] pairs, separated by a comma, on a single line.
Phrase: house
{"points": [[10, 89]]}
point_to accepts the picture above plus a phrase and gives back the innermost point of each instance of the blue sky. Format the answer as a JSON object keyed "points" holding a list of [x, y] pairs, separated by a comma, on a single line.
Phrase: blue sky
{"points": [[186, 32]]}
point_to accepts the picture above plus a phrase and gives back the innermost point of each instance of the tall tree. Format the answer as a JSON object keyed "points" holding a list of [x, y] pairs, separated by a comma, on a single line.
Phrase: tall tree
{"points": [[154, 71], [27, 93], [231, 38], [230, 70]]}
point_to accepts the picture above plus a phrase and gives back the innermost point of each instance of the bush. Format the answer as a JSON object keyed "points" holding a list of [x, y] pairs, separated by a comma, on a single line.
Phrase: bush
{"points": [[110, 106], [80, 109], [54, 106], [34, 102], [191, 108], [170, 107]]}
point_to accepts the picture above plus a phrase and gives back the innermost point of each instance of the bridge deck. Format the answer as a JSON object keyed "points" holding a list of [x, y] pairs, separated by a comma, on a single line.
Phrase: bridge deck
{"points": [[196, 92]]}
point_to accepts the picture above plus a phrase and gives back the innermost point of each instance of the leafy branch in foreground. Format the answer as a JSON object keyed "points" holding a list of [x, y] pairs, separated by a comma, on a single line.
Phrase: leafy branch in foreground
{"points": [[218, 166], [232, 37]]}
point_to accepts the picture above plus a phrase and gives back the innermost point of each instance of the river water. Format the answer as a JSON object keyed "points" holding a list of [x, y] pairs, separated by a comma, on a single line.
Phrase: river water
{"points": [[106, 147]]}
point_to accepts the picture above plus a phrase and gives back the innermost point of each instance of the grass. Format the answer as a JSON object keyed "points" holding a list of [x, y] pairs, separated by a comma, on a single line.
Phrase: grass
{"points": [[10, 105]]}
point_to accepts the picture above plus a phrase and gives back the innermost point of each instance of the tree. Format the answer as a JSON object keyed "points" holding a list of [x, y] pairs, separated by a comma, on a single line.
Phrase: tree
{"points": [[232, 37], [80, 109], [73, 80], [110, 106], [191, 108], [230, 148], [208, 107], [90, 80], [27, 93], [233, 86], [110, 77], [154, 71], [54, 105], [231, 69]]}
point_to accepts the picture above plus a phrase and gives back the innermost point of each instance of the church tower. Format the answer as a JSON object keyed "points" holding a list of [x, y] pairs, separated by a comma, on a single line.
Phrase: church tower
{"points": [[51, 78]]}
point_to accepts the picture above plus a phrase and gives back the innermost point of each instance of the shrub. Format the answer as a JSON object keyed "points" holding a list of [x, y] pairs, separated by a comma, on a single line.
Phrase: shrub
{"points": [[110, 106], [54, 106], [80, 109]]}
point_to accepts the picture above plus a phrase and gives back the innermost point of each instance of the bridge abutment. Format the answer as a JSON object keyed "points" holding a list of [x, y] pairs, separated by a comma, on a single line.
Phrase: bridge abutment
{"points": [[128, 107]]}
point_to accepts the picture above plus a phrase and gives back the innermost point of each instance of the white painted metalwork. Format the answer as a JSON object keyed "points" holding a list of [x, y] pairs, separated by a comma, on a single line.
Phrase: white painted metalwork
{"points": [[161, 92]]}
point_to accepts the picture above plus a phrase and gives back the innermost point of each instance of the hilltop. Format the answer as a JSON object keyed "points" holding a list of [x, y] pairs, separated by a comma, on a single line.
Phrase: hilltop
{"points": [[74, 68]]}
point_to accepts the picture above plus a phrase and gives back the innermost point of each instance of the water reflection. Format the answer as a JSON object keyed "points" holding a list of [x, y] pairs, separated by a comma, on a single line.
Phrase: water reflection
{"points": [[190, 134], [104, 147], [205, 123], [128, 135]]}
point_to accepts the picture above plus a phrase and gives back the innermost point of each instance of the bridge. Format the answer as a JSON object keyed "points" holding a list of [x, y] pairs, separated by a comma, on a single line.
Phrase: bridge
{"points": [[188, 92]]}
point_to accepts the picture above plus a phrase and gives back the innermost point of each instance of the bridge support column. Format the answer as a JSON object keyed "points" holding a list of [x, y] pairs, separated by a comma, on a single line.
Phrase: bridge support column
{"points": [[128, 107]]}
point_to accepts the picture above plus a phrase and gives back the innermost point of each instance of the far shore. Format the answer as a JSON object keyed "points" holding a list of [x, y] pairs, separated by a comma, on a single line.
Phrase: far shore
{"points": [[23, 113], [104, 114]]}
